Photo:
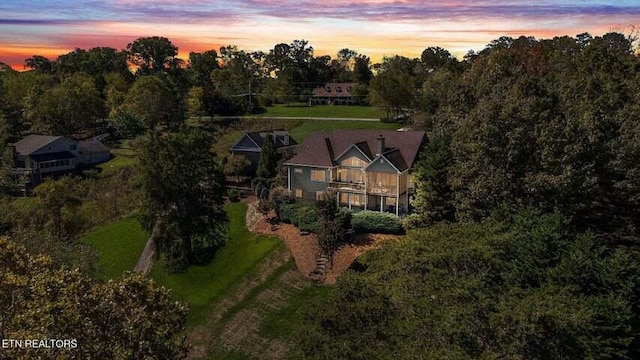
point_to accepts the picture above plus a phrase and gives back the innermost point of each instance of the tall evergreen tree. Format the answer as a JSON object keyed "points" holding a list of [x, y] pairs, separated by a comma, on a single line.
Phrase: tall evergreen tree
{"points": [[268, 159], [433, 200]]}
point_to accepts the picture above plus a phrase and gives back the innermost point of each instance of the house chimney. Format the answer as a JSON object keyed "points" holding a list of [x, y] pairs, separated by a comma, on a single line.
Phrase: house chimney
{"points": [[381, 147]]}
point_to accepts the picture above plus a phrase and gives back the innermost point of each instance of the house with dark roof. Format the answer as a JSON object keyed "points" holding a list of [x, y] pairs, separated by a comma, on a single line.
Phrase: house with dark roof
{"points": [[333, 93], [250, 144], [38, 155], [368, 169]]}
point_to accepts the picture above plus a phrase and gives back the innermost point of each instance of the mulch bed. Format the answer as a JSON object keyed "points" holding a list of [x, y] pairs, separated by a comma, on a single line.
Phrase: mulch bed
{"points": [[305, 249]]}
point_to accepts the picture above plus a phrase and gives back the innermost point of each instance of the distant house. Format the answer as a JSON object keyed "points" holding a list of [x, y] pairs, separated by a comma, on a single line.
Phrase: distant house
{"points": [[250, 144], [38, 155], [368, 169], [333, 94]]}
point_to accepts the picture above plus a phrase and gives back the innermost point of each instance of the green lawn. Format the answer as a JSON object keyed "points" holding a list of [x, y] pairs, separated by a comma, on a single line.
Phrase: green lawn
{"points": [[123, 156], [119, 245], [335, 111], [200, 286], [302, 131]]}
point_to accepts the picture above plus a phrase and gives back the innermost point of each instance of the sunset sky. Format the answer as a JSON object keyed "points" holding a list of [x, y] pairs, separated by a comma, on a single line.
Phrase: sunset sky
{"points": [[373, 27]]}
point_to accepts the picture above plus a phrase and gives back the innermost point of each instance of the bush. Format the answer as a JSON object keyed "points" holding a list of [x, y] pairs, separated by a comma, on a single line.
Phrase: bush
{"points": [[307, 218], [375, 222], [304, 216], [287, 212], [234, 195]]}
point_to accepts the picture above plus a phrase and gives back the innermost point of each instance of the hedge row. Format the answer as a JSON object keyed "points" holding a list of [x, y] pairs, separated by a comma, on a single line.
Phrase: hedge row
{"points": [[376, 222]]}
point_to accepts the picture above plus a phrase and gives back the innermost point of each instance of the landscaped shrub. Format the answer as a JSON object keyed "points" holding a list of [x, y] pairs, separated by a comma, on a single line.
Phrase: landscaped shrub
{"points": [[307, 218], [234, 195], [376, 222], [304, 216], [288, 212]]}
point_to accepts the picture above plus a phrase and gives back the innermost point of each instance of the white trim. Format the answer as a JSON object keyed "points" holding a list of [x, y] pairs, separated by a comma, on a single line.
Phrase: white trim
{"points": [[289, 178]]}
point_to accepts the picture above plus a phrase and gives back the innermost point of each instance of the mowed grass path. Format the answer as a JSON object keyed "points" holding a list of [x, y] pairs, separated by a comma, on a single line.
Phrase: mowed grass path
{"points": [[119, 245], [303, 130], [336, 111], [200, 286]]}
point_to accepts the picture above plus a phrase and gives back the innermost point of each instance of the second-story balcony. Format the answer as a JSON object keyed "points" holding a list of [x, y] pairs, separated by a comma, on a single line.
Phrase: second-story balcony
{"points": [[382, 189], [346, 186]]}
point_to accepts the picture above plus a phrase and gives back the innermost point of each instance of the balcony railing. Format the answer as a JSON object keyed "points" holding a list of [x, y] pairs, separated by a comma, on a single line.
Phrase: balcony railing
{"points": [[338, 185], [382, 189]]}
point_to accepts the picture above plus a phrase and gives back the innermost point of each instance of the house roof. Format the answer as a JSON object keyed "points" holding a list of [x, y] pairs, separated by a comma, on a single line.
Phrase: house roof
{"points": [[92, 147], [258, 137], [401, 148], [33, 143], [334, 90]]}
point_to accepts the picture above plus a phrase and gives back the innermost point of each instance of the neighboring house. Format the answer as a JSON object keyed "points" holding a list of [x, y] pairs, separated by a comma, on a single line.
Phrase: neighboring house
{"points": [[38, 155], [333, 93], [368, 169], [250, 144]]}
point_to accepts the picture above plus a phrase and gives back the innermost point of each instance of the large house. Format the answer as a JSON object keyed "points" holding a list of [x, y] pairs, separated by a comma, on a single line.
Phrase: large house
{"points": [[250, 144], [38, 155], [368, 169], [333, 93]]}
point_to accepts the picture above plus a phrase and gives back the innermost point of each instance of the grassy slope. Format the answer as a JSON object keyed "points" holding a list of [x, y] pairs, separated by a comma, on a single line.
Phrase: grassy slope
{"points": [[123, 156], [119, 245], [202, 285], [301, 132], [337, 111]]}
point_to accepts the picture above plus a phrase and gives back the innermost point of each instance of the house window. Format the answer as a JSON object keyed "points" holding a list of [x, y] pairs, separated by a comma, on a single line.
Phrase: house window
{"points": [[72, 147], [297, 171], [338, 89], [20, 163], [318, 175], [319, 195], [298, 193]]}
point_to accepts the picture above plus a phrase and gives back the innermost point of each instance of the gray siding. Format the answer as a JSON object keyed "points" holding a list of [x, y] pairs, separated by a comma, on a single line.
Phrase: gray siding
{"points": [[382, 165], [303, 181]]}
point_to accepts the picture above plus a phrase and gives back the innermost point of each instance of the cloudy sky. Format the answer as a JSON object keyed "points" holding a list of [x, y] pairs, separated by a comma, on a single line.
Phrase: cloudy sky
{"points": [[373, 27]]}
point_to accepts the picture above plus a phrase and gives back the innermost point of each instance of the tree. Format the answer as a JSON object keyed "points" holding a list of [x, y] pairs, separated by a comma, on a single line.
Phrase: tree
{"points": [[201, 65], [39, 63], [183, 189], [74, 105], [126, 318], [436, 57], [268, 158], [433, 200], [126, 124], [392, 90], [362, 69], [522, 287], [334, 224], [153, 55], [58, 199], [237, 165], [151, 100]]}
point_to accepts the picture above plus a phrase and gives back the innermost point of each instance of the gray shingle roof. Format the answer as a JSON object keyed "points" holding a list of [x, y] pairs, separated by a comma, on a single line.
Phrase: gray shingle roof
{"points": [[33, 143]]}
